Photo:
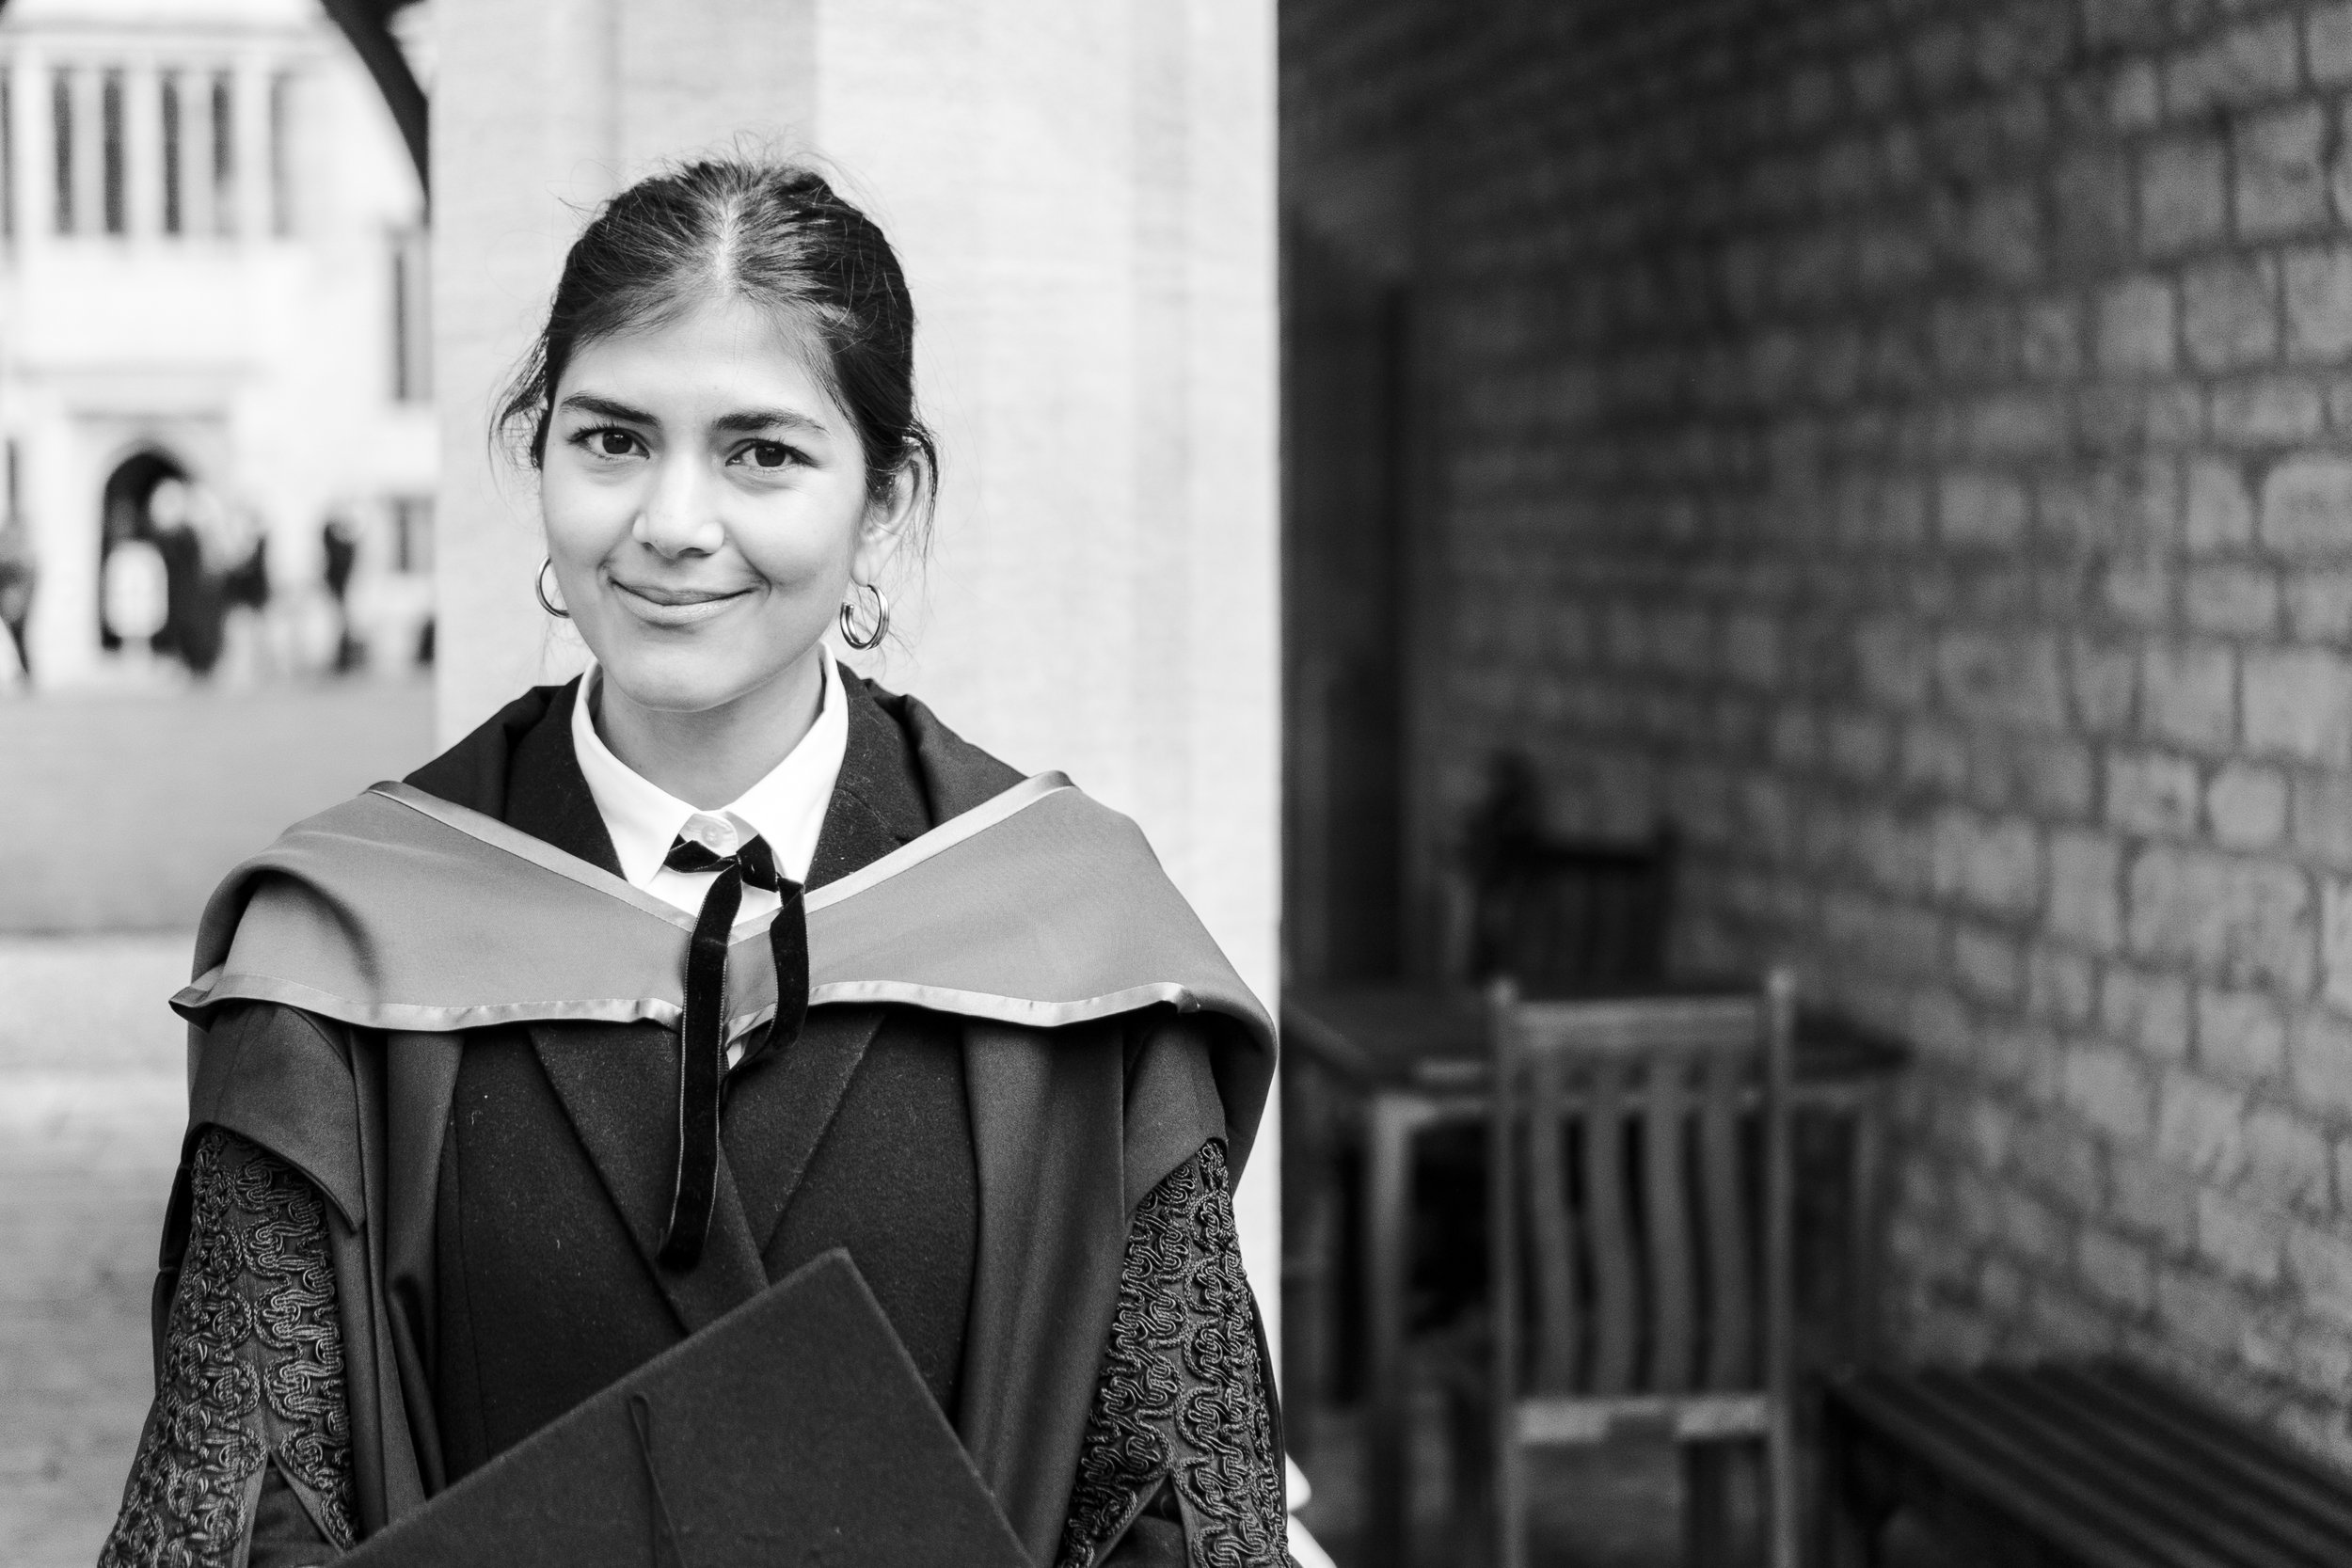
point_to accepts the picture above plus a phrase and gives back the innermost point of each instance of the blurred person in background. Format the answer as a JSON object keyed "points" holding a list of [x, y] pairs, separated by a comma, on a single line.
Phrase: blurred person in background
{"points": [[244, 592], [339, 552], [393, 1256], [182, 517], [19, 573]]}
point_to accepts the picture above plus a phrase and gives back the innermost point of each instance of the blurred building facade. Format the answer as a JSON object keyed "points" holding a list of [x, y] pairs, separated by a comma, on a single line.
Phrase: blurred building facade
{"points": [[212, 323]]}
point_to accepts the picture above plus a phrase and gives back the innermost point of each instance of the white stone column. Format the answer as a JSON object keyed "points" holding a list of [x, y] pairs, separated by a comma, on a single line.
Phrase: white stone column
{"points": [[249, 110], [142, 151], [1083, 198], [28, 138]]}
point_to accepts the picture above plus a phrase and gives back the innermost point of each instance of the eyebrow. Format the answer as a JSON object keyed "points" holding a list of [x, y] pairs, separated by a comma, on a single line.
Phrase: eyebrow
{"points": [[606, 409], [751, 420], [744, 421]]}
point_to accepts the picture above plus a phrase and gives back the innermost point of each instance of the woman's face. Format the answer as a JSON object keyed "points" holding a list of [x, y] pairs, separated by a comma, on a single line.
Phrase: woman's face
{"points": [[705, 507]]}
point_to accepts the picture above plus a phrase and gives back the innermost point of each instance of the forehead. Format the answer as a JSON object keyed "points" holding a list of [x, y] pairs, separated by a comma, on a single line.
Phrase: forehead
{"points": [[717, 352]]}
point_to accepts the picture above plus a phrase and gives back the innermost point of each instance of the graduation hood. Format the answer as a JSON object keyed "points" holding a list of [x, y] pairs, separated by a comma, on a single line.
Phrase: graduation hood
{"points": [[401, 910]]}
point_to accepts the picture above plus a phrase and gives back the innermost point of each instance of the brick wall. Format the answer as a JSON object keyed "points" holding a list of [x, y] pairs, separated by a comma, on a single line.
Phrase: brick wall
{"points": [[1909, 442]]}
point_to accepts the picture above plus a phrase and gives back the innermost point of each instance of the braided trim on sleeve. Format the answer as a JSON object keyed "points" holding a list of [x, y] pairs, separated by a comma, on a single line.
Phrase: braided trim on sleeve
{"points": [[1231, 1477], [252, 1372], [1180, 1398]]}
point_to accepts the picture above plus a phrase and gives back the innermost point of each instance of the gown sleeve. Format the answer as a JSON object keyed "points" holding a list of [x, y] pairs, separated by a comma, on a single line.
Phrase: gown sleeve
{"points": [[245, 1457], [1179, 1464]]}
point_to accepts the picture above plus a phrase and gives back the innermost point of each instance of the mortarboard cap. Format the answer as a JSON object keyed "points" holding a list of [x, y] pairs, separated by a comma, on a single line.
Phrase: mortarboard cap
{"points": [[794, 1429]]}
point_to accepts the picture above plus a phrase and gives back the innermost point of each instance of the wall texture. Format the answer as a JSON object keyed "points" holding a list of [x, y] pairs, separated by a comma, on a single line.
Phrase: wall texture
{"points": [[1910, 444]]}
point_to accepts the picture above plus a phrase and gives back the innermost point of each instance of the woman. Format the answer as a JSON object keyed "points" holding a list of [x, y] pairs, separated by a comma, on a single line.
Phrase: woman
{"points": [[671, 978]]}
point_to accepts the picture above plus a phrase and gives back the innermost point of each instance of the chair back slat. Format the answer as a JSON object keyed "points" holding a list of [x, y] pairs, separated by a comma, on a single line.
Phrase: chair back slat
{"points": [[1557, 1331], [1615, 1286], [1731, 1309], [1665, 1211], [1631, 1181]]}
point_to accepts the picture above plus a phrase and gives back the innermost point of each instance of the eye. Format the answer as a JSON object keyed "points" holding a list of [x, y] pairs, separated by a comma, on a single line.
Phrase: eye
{"points": [[608, 441], [767, 454]]}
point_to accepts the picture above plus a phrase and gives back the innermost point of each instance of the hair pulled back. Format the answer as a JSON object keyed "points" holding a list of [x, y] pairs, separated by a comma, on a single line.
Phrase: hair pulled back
{"points": [[775, 234]]}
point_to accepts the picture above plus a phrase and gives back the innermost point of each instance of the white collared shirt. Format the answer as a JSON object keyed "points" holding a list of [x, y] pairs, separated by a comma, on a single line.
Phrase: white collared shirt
{"points": [[787, 807]]}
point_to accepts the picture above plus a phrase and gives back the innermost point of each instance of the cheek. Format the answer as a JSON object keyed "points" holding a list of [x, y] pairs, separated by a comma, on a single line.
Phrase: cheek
{"points": [[583, 520], [804, 542]]}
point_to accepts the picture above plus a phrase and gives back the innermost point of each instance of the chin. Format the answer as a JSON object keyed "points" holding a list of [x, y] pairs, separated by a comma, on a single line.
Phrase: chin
{"points": [[681, 680]]}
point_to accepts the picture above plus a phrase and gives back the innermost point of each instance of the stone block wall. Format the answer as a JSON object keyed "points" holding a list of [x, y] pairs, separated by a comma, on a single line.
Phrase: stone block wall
{"points": [[1908, 443]]}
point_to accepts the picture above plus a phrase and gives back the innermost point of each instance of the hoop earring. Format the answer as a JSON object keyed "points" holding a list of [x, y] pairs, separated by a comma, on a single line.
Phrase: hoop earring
{"points": [[881, 619], [539, 589]]}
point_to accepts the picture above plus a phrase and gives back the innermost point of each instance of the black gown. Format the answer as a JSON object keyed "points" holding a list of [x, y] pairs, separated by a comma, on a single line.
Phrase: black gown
{"points": [[857, 1135]]}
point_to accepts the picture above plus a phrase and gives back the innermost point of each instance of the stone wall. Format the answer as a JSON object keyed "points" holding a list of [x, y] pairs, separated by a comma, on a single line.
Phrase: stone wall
{"points": [[1909, 443]]}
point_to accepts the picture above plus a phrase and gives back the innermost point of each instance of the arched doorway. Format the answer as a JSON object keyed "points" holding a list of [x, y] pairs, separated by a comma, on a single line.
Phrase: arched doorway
{"points": [[124, 516]]}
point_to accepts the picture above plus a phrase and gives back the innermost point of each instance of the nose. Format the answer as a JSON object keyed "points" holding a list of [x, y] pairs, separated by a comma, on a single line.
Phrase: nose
{"points": [[681, 515]]}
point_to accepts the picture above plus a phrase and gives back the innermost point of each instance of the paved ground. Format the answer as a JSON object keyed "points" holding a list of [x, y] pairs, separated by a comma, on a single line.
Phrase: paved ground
{"points": [[1617, 1506], [118, 814], [91, 1100], [120, 811], [1608, 1508]]}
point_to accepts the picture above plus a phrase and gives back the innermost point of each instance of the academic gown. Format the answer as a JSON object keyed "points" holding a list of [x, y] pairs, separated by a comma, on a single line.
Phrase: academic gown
{"points": [[406, 1238]]}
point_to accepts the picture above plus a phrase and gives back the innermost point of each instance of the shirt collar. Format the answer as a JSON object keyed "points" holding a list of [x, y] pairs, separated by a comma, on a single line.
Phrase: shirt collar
{"points": [[787, 807]]}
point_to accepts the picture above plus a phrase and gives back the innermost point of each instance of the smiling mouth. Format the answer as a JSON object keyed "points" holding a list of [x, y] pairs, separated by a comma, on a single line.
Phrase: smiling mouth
{"points": [[674, 598], [676, 609]]}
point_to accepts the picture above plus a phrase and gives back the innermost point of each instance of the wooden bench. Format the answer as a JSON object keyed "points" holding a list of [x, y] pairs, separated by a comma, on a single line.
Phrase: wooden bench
{"points": [[2086, 1466]]}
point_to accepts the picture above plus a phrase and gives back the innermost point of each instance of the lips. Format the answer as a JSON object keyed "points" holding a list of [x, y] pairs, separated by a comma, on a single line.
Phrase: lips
{"points": [[675, 596], [668, 606]]}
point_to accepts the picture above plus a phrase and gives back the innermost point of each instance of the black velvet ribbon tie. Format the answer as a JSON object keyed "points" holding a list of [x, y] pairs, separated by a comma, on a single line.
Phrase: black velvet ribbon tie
{"points": [[702, 1034]]}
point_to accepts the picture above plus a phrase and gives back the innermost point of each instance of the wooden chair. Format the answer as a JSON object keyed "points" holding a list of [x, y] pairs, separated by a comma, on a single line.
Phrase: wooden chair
{"points": [[1561, 916], [1568, 916], [1641, 1275]]}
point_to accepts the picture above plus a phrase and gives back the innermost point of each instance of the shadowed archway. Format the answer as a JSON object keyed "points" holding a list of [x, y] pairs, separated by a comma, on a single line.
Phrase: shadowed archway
{"points": [[368, 23], [123, 517]]}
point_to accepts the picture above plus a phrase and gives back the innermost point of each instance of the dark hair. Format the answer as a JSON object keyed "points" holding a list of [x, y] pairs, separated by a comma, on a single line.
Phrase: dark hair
{"points": [[775, 234]]}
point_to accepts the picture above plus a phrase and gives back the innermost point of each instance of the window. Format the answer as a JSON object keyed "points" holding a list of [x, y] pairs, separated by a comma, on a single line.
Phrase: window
{"points": [[281, 213], [412, 343], [61, 138], [224, 155], [110, 148], [174, 152]]}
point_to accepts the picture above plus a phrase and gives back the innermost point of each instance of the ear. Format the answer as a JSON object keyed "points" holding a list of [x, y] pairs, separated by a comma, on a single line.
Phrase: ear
{"points": [[888, 523]]}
